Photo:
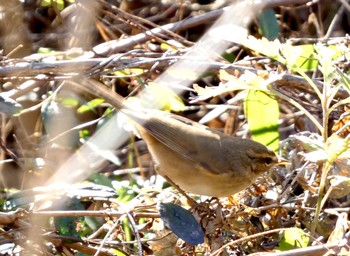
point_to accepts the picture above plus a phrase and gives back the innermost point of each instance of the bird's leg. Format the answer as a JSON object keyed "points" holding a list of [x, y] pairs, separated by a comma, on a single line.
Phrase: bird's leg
{"points": [[190, 200]]}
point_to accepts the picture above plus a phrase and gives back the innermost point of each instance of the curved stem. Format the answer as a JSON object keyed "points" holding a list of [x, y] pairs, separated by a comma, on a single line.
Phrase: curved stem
{"points": [[297, 105]]}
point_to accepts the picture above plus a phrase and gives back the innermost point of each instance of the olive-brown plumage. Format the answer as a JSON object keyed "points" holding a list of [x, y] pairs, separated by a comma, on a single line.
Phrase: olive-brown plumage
{"points": [[198, 159]]}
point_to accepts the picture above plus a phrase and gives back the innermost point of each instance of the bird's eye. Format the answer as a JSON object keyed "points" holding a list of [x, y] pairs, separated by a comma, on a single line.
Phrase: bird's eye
{"points": [[267, 160]]}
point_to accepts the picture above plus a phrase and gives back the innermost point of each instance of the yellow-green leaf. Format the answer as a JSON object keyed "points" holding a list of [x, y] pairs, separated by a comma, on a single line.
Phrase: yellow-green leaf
{"points": [[262, 113], [89, 106], [300, 56], [292, 239], [165, 98], [128, 72]]}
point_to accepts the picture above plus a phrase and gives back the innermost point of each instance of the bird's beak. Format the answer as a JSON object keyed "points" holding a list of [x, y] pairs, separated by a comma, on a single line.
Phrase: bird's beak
{"points": [[282, 161]]}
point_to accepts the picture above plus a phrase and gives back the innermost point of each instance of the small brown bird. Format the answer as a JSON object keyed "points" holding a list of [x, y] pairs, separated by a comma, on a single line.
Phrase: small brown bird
{"points": [[198, 159]]}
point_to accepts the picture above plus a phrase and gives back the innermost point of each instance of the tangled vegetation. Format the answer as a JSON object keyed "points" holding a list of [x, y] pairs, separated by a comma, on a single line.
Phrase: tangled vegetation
{"points": [[77, 180]]}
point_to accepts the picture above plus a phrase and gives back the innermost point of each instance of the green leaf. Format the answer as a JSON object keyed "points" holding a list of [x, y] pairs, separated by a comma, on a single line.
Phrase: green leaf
{"points": [[69, 102], [300, 56], [59, 3], [159, 96], [84, 133], [67, 226], [262, 113], [292, 239], [125, 191], [171, 101], [230, 57], [90, 105], [99, 178], [268, 24], [128, 72], [45, 50]]}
